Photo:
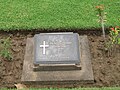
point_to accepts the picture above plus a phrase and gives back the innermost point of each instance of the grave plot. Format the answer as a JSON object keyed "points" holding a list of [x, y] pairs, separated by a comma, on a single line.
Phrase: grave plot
{"points": [[57, 57], [105, 69]]}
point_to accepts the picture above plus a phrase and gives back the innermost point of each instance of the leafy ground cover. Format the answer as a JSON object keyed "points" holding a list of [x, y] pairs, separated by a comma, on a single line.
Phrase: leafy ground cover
{"points": [[35, 14]]}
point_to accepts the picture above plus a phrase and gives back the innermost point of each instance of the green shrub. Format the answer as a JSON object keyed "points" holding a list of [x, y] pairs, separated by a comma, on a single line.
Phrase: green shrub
{"points": [[5, 46]]}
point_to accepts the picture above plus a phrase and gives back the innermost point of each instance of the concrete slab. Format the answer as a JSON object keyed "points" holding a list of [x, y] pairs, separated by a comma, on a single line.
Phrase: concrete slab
{"points": [[85, 75], [56, 67]]}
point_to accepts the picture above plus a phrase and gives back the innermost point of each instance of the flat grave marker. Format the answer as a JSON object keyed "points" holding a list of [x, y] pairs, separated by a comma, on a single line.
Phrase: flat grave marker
{"points": [[60, 48], [57, 58]]}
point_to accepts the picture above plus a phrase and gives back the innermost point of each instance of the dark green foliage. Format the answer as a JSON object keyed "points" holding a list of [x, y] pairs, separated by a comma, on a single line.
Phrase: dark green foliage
{"points": [[5, 48]]}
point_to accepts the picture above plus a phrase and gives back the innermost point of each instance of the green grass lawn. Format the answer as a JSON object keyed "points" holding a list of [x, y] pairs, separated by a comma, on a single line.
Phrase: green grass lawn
{"points": [[44, 14]]}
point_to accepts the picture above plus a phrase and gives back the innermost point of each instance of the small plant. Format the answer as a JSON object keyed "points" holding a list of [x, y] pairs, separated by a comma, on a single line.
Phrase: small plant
{"points": [[5, 48], [114, 34], [102, 17], [114, 40]]}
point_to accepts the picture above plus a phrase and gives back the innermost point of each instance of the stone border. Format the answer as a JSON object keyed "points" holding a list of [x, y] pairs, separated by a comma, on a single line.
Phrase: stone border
{"points": [[85, 75]]}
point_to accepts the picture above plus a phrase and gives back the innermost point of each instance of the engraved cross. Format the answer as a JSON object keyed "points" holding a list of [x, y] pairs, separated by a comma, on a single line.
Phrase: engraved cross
{"points": [[44, 46]]}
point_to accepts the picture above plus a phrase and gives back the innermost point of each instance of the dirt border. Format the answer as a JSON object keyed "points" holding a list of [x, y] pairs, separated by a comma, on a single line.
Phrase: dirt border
{"points": [[106, 69]]}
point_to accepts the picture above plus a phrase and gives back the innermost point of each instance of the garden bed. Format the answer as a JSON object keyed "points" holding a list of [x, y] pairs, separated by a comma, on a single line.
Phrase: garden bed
{"points": [[106, 69]]}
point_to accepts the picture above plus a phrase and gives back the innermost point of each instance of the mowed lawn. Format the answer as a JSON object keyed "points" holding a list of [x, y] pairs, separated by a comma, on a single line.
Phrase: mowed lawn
{"points": [[44, 14]]}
